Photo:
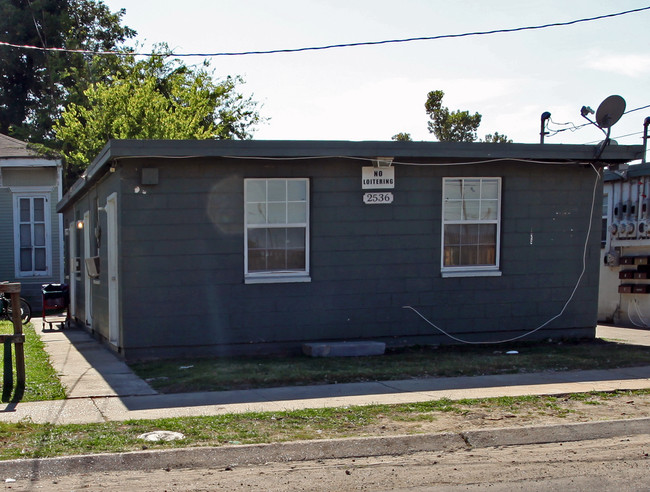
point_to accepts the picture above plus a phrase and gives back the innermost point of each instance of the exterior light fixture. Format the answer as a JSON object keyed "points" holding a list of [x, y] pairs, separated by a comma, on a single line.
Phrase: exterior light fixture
{"points": [[80, 224], [382, 161]]}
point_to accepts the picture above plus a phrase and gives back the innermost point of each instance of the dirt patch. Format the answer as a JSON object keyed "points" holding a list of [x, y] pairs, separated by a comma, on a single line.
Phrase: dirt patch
{"points": [[556, 410]]}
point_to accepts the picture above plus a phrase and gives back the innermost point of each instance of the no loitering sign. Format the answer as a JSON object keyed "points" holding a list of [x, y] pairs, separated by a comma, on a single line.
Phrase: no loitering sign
{"points": [[376, 178]]}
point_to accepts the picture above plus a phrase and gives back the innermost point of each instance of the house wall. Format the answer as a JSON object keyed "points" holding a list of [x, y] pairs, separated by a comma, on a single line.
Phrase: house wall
{"points": [[23, 180], [94, 319], [181, 259]]}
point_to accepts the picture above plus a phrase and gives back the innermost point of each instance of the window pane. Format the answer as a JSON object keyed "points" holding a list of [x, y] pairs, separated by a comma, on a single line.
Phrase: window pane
{"points": [[489, 209], [452, 256], [277, 259], [256, 213], [490, 189], [469, 234], [296, 238], [257, 260], [297, 213], [39, 209], [296, 259], [277, 213], [487, 234], [25, 235], [297, 191], [25, 210], [470, 209], [39, 235], [487, 255], [277, 190], [469, 255], [256, 190], [452, 189], [25, 260], [453, 210], [471, 189], [452, 234], [256, 239], [277, 238], [39, 259]]}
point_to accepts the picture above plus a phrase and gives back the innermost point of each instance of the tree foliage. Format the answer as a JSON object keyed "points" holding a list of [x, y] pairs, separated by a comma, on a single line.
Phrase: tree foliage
{"points": [[450, 126], [35, 85], [497, 138], [154, 98], [402, 137]]}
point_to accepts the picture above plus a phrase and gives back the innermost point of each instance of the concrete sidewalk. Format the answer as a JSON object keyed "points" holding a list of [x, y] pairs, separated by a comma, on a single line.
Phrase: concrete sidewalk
{"points": [[102, 388]]}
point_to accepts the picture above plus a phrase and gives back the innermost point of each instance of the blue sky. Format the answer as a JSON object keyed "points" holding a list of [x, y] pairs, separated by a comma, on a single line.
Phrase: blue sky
{"points": [[373, 92]]}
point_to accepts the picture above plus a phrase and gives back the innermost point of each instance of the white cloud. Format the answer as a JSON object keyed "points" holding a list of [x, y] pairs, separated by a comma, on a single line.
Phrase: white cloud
{"points": [[631, 65]]}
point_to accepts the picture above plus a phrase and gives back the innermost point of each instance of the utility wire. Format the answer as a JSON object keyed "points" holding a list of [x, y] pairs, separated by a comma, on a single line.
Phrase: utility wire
{"points": [[332, 46], [574, 127]]}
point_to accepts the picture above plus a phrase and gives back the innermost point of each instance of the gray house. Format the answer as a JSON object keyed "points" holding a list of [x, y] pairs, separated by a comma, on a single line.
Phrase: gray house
{"points": [[31, 241], [231, 247]]}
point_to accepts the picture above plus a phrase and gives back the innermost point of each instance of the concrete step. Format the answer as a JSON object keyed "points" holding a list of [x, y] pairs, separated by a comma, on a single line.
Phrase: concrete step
{"points": [[343, 349]]}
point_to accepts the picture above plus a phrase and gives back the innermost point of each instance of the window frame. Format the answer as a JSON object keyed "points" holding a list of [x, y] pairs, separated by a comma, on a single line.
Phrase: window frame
{"points": [[471, 270], [17, 197], [277, 276]]}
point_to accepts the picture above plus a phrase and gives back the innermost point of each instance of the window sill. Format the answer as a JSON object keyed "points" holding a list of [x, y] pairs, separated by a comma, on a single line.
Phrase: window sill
{"points": [[277, 279], [471, 273]]}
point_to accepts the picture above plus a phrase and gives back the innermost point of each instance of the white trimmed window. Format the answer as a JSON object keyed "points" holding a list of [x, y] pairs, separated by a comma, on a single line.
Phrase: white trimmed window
{"points": [[277, 230], [32, 236], [471, 216]]}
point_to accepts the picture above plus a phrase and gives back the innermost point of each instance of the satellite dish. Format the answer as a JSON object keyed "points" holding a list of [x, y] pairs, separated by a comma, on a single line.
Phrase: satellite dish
{"points": [[610, 111]]}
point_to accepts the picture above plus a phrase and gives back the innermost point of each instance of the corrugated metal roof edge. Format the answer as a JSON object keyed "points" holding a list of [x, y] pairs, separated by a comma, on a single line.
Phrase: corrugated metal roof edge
{"points": [[633, 171], [115, 149]]}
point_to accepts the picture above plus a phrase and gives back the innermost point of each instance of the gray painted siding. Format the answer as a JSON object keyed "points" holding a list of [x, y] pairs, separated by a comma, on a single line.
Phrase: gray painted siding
{"points": [[182, 259], [99, 287], [30, 286], [7, 269]]}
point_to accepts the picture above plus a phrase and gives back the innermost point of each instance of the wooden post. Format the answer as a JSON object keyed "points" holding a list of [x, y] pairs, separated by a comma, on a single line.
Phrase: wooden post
{"points": [[18, 339]]}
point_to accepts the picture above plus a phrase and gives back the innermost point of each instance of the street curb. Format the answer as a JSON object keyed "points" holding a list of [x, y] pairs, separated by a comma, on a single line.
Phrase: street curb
{"points": [[230, 456], [255, 454], [581, 431]]}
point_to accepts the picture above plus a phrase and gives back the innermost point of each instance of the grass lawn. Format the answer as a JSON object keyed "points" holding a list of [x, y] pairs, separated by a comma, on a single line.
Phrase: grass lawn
{"points": [[42, 383], [216, 374], [29, 440]]}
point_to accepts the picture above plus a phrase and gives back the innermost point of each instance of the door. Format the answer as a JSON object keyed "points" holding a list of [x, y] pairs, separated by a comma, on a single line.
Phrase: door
{"points": [[112, 270], [88, 305]]}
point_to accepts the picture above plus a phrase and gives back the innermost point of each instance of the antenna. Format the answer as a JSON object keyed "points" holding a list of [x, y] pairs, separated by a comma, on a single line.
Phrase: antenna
{"points": [[607, 115], [610, 111]]}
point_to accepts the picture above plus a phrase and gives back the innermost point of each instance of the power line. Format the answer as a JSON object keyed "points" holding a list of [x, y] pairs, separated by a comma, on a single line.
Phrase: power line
{"points": [[333, 46], [574, 127]]}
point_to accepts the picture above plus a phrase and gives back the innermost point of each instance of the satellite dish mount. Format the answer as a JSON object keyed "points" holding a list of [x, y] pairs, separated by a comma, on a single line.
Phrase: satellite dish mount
{"points": [[607, 114]]}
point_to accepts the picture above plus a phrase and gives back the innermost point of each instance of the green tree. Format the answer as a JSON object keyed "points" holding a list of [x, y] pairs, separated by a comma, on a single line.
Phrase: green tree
{"points": [[497, 138], [35, 85], [154, 98], [402, 137], [450, 126]]}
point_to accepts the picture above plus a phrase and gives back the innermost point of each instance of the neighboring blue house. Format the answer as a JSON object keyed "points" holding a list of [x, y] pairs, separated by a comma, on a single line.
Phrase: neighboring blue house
{"points": [[31, 241], [231, 247]]}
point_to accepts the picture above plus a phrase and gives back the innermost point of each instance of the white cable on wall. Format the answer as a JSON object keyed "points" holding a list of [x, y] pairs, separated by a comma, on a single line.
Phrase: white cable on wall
{"points": [[644, 323], [566, 304]]}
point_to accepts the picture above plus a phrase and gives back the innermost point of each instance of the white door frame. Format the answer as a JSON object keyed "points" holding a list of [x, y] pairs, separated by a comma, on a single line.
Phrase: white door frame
{"points": [[88, 305], [72, 250], [113, 270]]}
